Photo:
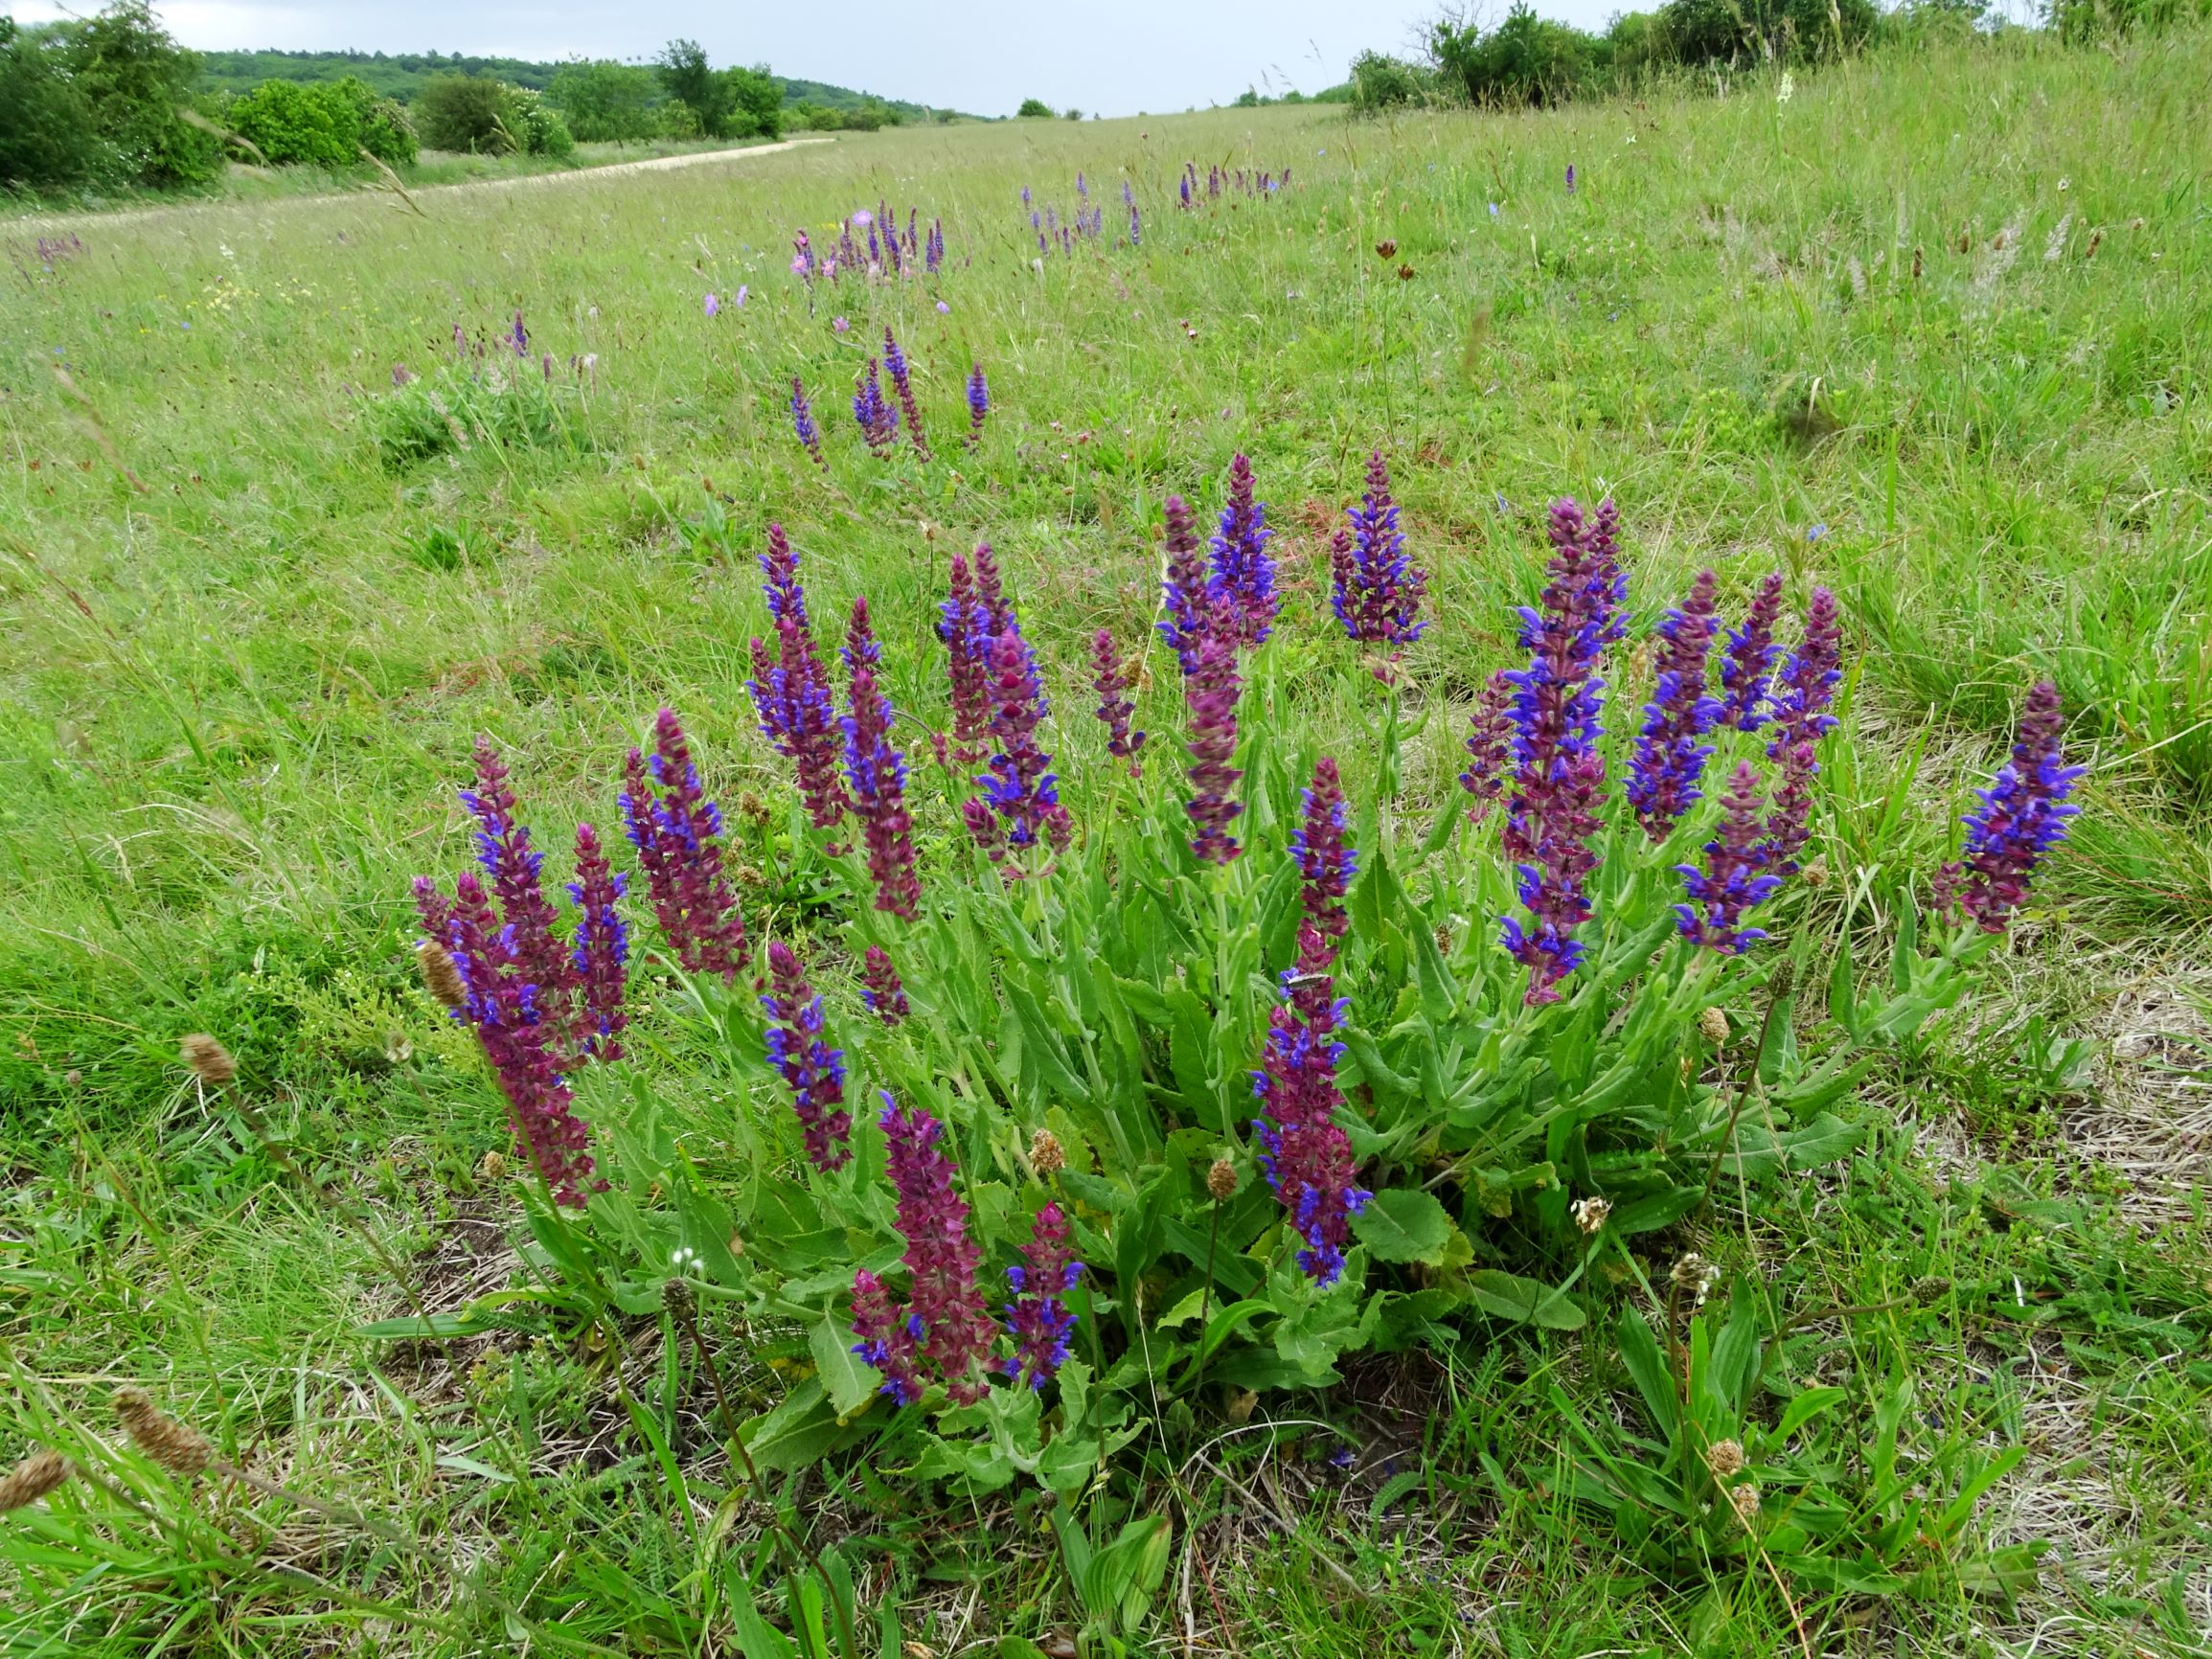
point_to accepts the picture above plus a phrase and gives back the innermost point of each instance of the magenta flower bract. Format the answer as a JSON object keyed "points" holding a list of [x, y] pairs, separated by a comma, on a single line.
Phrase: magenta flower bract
{"points": [[1038, 1317], [1188, 594], [815, 1070], [964, 624], [523, 1044], [943, 1327], [881, 988], [790, 690], [1114, 707], [1750, 661], [677, 834], [1210, 693], [602, 948], [1735, 877], [1489, 744], [1020, 786], [877, 773], [877, 420], [1802, 693], [2021, 817], [1244, 575], [1560, 776], [517, 872], [1670, 759], [1322, 848], [902, 383]]}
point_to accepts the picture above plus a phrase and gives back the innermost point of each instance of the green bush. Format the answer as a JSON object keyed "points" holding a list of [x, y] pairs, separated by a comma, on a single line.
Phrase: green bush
{"points": [[1751, 31], [136, 78], [535, 125], [387, 132], [48, 139], [756, 103], [1379, 82], [1525, 59], [290, 124], [692, 81], [605, 101], [462, 112], [1034, 109], [2086, 20]]}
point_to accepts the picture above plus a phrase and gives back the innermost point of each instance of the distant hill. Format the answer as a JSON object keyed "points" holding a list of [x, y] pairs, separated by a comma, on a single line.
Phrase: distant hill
{"points": [[402, 76]]}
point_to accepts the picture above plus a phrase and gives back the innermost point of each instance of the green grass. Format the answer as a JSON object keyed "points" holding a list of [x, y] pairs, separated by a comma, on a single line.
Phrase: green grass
{"points": [[1952, 309]]}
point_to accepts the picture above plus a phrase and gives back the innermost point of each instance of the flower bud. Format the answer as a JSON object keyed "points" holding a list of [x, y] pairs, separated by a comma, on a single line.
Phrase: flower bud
{"points": [[1222, 1180]]}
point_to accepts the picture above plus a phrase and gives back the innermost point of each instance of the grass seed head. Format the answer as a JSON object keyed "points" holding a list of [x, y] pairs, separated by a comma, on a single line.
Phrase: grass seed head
{"points": [[177, 1447], [33, 1479], [441, 973], [210, 1062]]}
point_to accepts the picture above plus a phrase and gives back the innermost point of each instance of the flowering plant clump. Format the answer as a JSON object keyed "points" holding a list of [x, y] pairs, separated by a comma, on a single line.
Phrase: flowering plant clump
{"points": [[1207, 1077]]}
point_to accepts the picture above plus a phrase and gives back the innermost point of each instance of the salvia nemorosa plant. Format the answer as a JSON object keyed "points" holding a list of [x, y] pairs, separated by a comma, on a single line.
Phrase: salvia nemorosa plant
{"points": [[902, 385], [1222, 1100]]}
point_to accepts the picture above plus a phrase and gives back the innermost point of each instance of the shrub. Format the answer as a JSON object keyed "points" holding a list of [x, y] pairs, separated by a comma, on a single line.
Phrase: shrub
{"points": [[490, 393], [462, 112], [1525, 59], [534, 126], [692, 81], [135, 79], [319, 125], [1750, 30], [48, 138], [605, 101], [756, 103], [388, 133], [2086, 20], [1379, 82], [1034, 109]]}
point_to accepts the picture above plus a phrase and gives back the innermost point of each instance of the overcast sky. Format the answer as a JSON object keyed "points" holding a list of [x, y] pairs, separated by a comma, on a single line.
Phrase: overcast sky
{"points": [[1119, 57]]}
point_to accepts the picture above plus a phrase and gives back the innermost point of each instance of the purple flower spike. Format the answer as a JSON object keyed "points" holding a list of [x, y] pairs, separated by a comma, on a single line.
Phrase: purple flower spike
{"points": [[1188, 595], [2021, 817], [1322, 848], [978, 404], [877, 420], [1377, 589], [1560, 776], [1489, 745], [1303, 1151], [964, 624], [523, 1044], [1804, 689], [1670, 760], [895, 362], [517, 884], [790, 690], [677, 834], [943, 1328], [517, 337], [1114, 707], [1020, 786], [878, 775], [1735, 877], [1244, 575], [803, 422], [1749, 663], [933, 256], [1210, 692], [1038, 1317], [602, 946], [815, 1070], [881, 988]]}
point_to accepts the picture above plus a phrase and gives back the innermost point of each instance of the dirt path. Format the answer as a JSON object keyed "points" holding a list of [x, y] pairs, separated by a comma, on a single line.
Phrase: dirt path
{"points": [[427, 193]]}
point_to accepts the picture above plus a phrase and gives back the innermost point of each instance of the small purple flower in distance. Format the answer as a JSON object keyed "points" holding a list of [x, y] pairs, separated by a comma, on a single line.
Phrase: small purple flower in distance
{"points": [[1734, 878], [1570, 178], [803, 422], [739, 298], [813, 1070], [1814, 532], [2021, 817], [943, 309], [712, 304], [978, 403], [839, 323], [881, 988], [1244, 575], [1670, 759], [1803, 692], [862, 217], [1114, 707], [517, 337], [1038, 1318], [1749, 662], [602, 946]]}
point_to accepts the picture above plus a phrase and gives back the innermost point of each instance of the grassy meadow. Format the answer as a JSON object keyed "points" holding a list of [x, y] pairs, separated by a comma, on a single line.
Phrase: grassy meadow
{"points": [[1933, 331]]}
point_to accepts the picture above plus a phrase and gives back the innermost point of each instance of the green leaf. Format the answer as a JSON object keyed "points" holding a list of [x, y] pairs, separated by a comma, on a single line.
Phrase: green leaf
{"points": [[1648, 1369], [1510, 1296], [1803, 1408], [851, 1383], [1403, 1225]]}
